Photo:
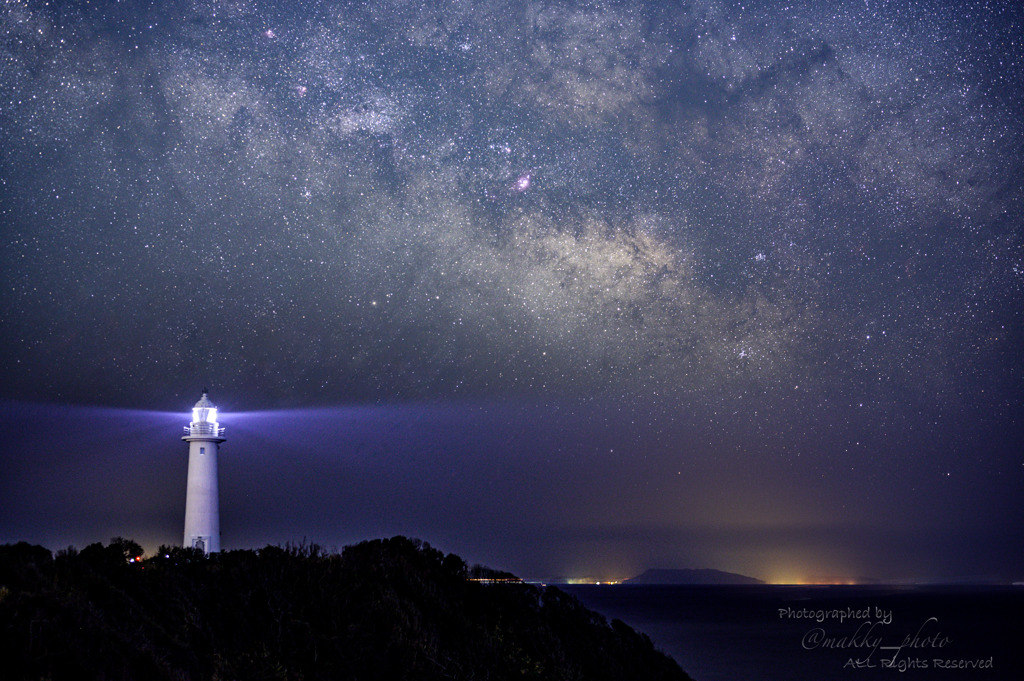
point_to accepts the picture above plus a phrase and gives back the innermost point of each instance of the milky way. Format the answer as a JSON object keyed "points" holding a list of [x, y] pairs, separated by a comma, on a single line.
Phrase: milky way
{"points": [[789, 231]]}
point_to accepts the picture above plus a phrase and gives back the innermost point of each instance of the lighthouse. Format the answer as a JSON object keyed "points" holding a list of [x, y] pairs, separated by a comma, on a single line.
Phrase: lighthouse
{"points": [[202, 507]]}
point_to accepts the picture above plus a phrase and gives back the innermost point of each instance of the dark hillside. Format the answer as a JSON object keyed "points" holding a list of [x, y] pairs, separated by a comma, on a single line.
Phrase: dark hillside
{"points": [[385, 609]]}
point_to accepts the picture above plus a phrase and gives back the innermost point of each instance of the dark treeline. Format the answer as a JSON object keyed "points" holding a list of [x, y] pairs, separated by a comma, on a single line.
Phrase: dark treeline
{"points": [[384, 609]]}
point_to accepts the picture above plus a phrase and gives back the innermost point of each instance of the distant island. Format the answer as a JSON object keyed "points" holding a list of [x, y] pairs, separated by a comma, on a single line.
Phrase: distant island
{"points": [[688, 576], [384, 609]]}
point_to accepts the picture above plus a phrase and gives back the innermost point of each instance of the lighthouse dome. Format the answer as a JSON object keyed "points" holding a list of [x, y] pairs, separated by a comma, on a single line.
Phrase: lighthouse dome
{"points": [[204, 402]]}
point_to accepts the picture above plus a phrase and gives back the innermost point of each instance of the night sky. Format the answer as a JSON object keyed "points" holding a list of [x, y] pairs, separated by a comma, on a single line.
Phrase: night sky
{"points": [[565, 288]]}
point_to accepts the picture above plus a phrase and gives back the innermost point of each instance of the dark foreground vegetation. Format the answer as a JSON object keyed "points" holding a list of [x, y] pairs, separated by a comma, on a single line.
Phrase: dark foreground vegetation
{"points": [[385, 609]]}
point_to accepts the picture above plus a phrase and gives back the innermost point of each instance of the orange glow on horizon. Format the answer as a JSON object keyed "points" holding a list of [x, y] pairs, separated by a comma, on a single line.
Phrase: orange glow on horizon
{"points": [[816, 581], [803, 576]]}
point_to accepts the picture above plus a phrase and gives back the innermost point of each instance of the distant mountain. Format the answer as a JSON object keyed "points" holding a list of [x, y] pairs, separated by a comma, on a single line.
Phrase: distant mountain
{"points": [[705, 576]]}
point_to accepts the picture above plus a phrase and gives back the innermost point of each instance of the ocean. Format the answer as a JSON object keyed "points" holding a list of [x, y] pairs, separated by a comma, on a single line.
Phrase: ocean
{"points": [[824, 633]]}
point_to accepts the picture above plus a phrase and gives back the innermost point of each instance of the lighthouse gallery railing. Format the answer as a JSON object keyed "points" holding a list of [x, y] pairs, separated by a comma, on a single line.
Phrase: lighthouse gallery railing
{"points": [[204, 429]]}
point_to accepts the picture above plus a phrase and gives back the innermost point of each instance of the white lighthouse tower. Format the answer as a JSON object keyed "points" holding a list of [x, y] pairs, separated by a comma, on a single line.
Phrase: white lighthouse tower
{"points": [[202, 506]]}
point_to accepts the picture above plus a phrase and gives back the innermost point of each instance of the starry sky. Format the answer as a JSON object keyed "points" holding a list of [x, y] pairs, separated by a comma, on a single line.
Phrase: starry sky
{"points": [[567, 288]]}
